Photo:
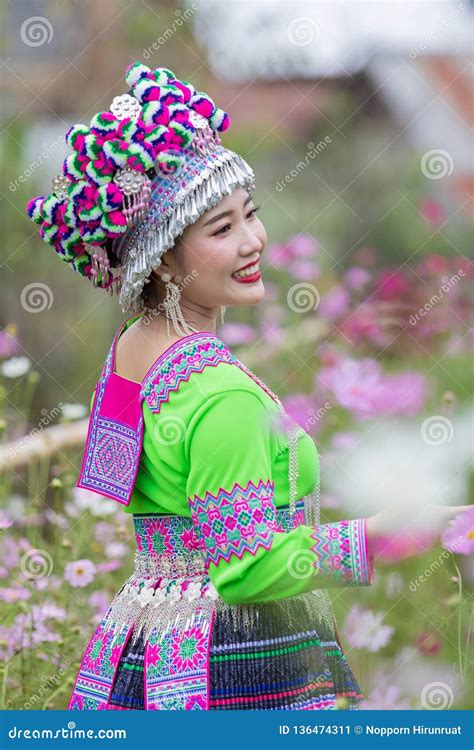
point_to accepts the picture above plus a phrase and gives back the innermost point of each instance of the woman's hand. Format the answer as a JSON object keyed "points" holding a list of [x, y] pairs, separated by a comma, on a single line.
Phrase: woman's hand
{"points": [[424, 529]]}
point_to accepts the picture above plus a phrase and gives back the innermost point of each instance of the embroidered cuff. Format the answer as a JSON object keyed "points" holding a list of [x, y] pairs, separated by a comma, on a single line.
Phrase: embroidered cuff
{"points": [[235, 522], [342, 554]]}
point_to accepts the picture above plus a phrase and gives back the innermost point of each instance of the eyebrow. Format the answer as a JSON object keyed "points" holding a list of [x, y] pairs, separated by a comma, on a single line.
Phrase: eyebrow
{"points": [[225, 213]]}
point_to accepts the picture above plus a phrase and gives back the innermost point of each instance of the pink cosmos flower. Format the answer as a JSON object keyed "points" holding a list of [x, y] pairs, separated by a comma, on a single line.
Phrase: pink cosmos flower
{"points": [[391, 285], [80, 573], [9, 345], [356, 277], [433, 265], [10, 556], [361, 387], [277, 256], [15, 594], [304, 410], [403, 393], [428, 642], [109, 566], [352, 383], [304, 270], [99, 601], [300, 247], [272, 333], [432, 211], [235, 334], [104, 532], [334, 303], [5, 520], [47, 610], [362, 325], [458, 537], [365, 629], [329, 356], [115, 549]]}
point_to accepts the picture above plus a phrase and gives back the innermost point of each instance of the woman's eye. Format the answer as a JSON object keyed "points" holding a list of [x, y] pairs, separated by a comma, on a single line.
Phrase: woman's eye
{"points": [[250, 215], [221, 230]]}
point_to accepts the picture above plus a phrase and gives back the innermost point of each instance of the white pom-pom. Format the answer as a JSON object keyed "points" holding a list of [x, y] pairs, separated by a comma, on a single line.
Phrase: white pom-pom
{"points": [[136, 72]]}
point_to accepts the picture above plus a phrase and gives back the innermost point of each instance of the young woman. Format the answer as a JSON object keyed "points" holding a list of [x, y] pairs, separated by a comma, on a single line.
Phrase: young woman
{"points": [[227, 606]]}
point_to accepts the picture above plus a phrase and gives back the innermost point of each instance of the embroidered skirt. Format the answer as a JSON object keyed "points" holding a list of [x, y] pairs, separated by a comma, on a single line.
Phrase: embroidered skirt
{"points": [[168, 641]]}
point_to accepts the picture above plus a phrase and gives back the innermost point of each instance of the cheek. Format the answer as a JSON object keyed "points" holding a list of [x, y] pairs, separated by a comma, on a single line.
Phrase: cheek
{"points": [[262, 234], [208, 257]]}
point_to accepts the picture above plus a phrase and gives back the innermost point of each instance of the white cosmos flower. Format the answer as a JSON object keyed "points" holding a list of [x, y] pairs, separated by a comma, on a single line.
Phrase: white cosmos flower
{"points": [[365, 629], [74, 411], [98, 506], [15, 367]]}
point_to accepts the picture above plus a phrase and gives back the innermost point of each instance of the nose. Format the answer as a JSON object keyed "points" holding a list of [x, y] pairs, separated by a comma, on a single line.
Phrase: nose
{"points": [[251, 242]]}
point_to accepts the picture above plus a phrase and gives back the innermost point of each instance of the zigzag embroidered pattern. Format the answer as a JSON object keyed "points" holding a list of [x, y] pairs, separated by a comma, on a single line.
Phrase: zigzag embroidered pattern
{"points": [[235, 522], [340, 552], [190, 356], [111, 456]]}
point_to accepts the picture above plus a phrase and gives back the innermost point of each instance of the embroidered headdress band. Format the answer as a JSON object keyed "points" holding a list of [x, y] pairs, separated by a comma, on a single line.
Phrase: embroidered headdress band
{"points": [[138, 175]]}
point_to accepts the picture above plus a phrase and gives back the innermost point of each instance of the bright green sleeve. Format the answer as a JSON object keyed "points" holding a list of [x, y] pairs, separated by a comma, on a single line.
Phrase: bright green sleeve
{"points": [[230, 494]]}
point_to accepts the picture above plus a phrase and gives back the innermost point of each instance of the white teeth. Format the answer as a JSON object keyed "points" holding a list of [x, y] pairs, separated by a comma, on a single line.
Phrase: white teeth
{"points": [[248, 272]]}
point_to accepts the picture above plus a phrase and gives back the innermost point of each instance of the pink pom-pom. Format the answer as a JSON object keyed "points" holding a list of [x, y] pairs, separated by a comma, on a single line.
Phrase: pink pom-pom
{"points": [[33, 209], [203, 105]]}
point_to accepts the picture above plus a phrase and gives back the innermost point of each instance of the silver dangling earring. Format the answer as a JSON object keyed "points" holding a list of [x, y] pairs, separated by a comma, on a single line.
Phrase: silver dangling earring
{"points": [[223, 309], [173, 309]]}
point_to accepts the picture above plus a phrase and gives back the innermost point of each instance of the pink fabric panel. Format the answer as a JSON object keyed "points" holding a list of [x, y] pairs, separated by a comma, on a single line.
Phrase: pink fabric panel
{"points": [[121, 400]]}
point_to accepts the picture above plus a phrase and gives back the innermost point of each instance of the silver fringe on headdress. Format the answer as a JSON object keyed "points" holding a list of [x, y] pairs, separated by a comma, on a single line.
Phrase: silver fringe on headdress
{"points": [[141, 250]]}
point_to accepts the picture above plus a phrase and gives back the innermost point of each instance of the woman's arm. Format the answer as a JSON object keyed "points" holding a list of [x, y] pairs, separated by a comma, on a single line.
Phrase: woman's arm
{"points": [[231, 499], [428, 521]]}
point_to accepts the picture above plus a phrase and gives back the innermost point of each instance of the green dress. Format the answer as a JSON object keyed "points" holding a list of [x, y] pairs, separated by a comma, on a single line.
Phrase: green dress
{"points": [[205, 476]]}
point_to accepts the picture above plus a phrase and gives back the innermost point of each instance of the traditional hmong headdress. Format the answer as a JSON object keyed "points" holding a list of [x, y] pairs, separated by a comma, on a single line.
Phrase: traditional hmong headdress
{"points": [[138, 175]]}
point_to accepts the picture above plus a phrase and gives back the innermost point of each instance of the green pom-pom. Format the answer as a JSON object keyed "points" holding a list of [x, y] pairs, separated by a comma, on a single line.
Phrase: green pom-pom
{"points": [[33, 209], [134, 72], [73, 132]]}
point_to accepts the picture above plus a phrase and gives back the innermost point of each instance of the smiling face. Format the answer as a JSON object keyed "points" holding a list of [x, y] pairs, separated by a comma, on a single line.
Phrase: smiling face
{"points": [[210, 251]]}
